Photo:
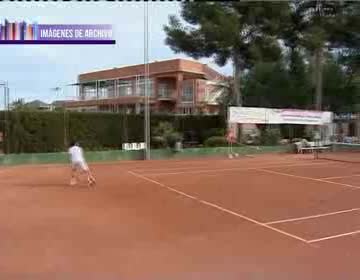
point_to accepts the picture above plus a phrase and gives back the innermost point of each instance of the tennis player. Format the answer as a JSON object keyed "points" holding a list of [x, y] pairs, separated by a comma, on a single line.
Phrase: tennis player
{"points": [[78, 164]]}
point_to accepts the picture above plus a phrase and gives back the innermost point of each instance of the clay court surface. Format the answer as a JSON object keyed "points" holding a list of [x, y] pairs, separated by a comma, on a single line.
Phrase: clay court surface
{"points": [[265, 217]]}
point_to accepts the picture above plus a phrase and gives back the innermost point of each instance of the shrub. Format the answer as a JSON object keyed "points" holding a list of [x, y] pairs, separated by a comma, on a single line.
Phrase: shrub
{"points": [[216, 141], [251, 139], [172, 138], [270, 136], [163, 129], [166, 133], [213, 132], [158, 142]]}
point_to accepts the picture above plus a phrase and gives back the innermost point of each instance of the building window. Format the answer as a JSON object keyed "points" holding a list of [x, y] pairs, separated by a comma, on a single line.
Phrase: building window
{"points": [[124, 88], [164, 90], [106, 89], [89, 91], [140, 86], [187, 93]]}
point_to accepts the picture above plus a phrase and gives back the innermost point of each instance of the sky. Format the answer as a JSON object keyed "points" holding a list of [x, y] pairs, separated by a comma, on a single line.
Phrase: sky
{"points": [[33, 70]]}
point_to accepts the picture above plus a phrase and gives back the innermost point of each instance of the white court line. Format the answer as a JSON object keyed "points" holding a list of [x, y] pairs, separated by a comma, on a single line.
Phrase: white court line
{"points": [[340, 177], [185, 168], [201, 164], [236, 168], [220, 208], [184, 164], [334, 236], [308, 178], [312, 217], [249, 156]]}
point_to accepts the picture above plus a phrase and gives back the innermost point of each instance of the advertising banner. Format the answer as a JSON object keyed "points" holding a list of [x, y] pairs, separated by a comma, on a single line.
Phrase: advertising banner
{"points": [[247, 115], [279, 116]]}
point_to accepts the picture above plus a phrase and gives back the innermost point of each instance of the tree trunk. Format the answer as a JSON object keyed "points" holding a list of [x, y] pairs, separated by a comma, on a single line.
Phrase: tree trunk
{"points": [[236, 80], [237, 92], [318, 60]]}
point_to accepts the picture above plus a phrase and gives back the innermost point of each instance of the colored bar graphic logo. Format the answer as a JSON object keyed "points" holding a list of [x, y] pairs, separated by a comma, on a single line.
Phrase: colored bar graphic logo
{"points": [[34, 33], [10, 31]]}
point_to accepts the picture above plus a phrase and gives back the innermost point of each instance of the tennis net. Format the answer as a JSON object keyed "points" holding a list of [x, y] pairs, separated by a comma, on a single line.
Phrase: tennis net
{"points": [[341, 152]]}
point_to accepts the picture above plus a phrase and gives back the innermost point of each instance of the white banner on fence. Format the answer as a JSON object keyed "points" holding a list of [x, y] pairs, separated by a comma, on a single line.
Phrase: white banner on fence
{"points": [[247, 115], [278, 116]]}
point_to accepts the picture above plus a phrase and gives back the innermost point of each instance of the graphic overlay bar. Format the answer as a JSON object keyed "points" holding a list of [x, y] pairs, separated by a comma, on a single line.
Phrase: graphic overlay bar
{"points": [[21, 33], [56, 42]]}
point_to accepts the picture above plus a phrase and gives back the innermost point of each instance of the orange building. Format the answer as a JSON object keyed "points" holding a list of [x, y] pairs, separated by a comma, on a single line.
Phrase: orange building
{"points": [[177, 86]]}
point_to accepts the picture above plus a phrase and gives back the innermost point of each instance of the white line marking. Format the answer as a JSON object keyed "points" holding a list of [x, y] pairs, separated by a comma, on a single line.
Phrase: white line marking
{"points": [[162, 185], [312, 217], [340, 184], [233, 169], [220, 208], [334, 236], [169, 169], [340, 177], [182, 193], [185, 168], [308, 178], [179, 163]]}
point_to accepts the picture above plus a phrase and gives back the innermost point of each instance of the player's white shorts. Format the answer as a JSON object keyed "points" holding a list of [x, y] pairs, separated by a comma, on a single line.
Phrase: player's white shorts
{"points": [[80, 165]]}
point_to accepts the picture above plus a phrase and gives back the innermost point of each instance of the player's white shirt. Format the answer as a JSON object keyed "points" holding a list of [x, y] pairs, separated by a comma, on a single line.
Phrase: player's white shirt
{"points": [[76, 154]]}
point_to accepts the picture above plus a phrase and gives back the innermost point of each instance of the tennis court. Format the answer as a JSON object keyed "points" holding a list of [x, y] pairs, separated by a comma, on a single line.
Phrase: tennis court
{"points": [[260, 217]]}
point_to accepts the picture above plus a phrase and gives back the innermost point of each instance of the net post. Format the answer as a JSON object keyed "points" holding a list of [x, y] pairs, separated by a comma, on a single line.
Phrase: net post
{"points": [[316, 153]]}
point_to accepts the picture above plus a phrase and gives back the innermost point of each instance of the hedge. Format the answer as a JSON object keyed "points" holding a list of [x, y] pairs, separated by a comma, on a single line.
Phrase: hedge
{"points": [[35, 132], [216, 141]]}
